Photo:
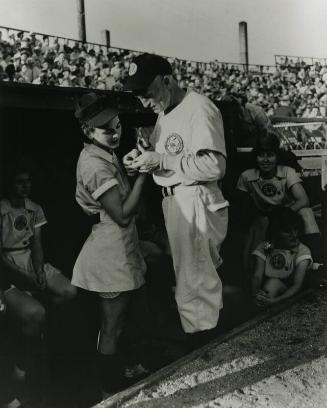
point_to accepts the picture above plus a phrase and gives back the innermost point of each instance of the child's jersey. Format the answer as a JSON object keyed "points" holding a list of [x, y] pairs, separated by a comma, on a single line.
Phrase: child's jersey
{"points": [[281, 263]]}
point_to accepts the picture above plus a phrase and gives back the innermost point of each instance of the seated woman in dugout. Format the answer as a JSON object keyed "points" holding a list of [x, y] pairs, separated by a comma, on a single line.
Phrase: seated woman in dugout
{"points": [[26, 277]]}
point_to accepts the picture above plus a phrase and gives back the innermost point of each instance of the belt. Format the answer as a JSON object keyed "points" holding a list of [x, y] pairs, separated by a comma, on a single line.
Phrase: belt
{"points": [[16, 249], [169, 190]]}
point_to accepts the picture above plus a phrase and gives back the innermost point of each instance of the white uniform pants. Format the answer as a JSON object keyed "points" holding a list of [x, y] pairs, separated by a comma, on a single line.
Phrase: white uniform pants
{"points": [[196, 221]]}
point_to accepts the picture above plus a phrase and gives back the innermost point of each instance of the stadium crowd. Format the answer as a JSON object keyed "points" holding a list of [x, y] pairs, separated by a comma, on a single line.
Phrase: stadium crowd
{"points": [[46, 60]]}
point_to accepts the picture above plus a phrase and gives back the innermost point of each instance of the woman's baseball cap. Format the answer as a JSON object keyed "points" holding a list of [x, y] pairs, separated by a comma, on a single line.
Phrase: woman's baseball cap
{"points": [[143, 69], [94, 110]]}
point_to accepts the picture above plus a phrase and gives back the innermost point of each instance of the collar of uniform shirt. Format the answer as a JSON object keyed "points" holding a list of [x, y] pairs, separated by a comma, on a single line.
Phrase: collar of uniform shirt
{"points": [[170, 108], [107, 149]]}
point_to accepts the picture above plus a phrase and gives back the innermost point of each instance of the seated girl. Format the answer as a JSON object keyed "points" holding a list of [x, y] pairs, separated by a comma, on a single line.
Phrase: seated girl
{"points": [[268, 185], [280, 263]]}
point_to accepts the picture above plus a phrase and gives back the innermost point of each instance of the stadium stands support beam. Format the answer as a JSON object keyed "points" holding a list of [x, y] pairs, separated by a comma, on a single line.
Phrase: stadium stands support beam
{"points": [[106, 37], [243, 44], [81, 20]]}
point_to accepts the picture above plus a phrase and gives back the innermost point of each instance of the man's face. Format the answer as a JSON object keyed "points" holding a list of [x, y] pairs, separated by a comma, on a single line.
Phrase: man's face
{"points": [[156, 96], [22, 184]]}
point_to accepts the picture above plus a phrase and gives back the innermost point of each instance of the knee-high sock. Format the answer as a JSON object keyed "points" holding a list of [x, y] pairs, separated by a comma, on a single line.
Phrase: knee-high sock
{"points": [[110, 371]]}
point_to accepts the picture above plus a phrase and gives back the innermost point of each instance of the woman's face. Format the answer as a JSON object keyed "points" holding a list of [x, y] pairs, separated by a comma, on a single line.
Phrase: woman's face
{"points": [[267, 161], [21, 186], [109, 134], [288, 239]]}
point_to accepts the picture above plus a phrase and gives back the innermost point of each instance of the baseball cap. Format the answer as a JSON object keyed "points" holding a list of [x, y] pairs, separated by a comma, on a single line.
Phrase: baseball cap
{"points": [[143, 69], [94, 110]]}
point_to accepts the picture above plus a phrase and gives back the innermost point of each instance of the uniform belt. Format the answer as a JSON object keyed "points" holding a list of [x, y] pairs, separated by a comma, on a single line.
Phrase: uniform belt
{"points": [[16, 249], [169, 190]]}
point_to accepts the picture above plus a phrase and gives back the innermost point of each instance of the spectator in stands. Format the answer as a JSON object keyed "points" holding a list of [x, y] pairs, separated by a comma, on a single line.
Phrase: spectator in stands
{"points": [[284, 108], [27, 276], [281, 262], [271, 184]]}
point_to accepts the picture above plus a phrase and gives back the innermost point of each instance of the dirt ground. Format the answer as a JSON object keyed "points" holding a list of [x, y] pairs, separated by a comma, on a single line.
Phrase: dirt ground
{"points": [[280, 363]]}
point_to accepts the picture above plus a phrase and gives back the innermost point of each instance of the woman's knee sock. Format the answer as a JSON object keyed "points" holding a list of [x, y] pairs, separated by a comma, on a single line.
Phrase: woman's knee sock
{"points": [[110, 371]]}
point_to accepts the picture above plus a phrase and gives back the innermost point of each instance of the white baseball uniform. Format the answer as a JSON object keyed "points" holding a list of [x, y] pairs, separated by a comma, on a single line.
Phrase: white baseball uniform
{"points": [[190, 139]]}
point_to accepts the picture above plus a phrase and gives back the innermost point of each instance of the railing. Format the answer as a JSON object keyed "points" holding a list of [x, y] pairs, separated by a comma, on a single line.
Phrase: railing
{"points": [[295, 61]]}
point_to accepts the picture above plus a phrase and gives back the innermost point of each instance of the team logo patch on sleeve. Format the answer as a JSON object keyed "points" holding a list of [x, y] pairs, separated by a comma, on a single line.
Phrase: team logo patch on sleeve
{"points": [[20, 223], [269, 189], [174, 144], [132, 69]]}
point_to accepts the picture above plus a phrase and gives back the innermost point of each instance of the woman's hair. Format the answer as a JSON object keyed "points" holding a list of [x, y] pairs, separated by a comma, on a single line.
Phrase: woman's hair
{"points": [[268, 141], [283, 219], [12, 172]]}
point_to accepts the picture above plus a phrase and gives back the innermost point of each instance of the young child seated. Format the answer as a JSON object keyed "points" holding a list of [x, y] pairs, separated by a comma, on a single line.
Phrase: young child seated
{"points": [[281, 262]]}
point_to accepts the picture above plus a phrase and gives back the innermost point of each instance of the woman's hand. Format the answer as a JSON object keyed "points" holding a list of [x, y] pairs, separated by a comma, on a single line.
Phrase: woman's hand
{"points": [[3, 306], [128, 161], [40, 278], [262, 298], [147, 161]]}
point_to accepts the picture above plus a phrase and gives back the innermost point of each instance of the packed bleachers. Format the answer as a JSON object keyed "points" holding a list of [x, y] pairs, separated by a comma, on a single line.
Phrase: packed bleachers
{"points": [[300, 84]]}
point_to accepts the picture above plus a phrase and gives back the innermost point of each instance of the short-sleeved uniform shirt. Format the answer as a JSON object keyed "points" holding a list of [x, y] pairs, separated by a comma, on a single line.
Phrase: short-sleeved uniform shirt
{"points": [[17, 229], [110, 260], [267, 193], [281, 263]]}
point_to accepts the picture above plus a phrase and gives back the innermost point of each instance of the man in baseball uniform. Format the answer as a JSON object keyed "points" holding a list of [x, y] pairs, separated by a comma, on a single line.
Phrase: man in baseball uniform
{"points": [[188, 159]]}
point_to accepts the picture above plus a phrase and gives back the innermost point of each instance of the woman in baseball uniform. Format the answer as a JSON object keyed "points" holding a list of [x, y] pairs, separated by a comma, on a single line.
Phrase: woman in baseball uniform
{"points": [[26, 276], [282, 262], [110, 263]]}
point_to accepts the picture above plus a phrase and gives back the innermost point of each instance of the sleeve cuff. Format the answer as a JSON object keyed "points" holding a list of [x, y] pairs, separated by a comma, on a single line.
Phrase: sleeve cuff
{"points": [[302, 258], [168, 162], [259, 254], [40, 224], [102, 189]]}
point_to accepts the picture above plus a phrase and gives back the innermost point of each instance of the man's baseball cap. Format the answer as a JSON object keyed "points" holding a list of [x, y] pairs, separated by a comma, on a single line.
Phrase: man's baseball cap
{"points": [[94, 110], [143, 69]]}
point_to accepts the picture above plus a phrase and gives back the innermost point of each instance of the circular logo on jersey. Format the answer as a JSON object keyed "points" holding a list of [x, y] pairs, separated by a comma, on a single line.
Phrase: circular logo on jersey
{"points": [[278, 261], [174, 144], [132, 69], [20, 223], [269, 189]]}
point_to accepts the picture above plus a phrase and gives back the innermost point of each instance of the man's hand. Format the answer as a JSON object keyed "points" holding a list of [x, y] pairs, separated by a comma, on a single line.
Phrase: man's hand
{"points": [[128, 161], [40, 278], [143, 138], [147, 161]]}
